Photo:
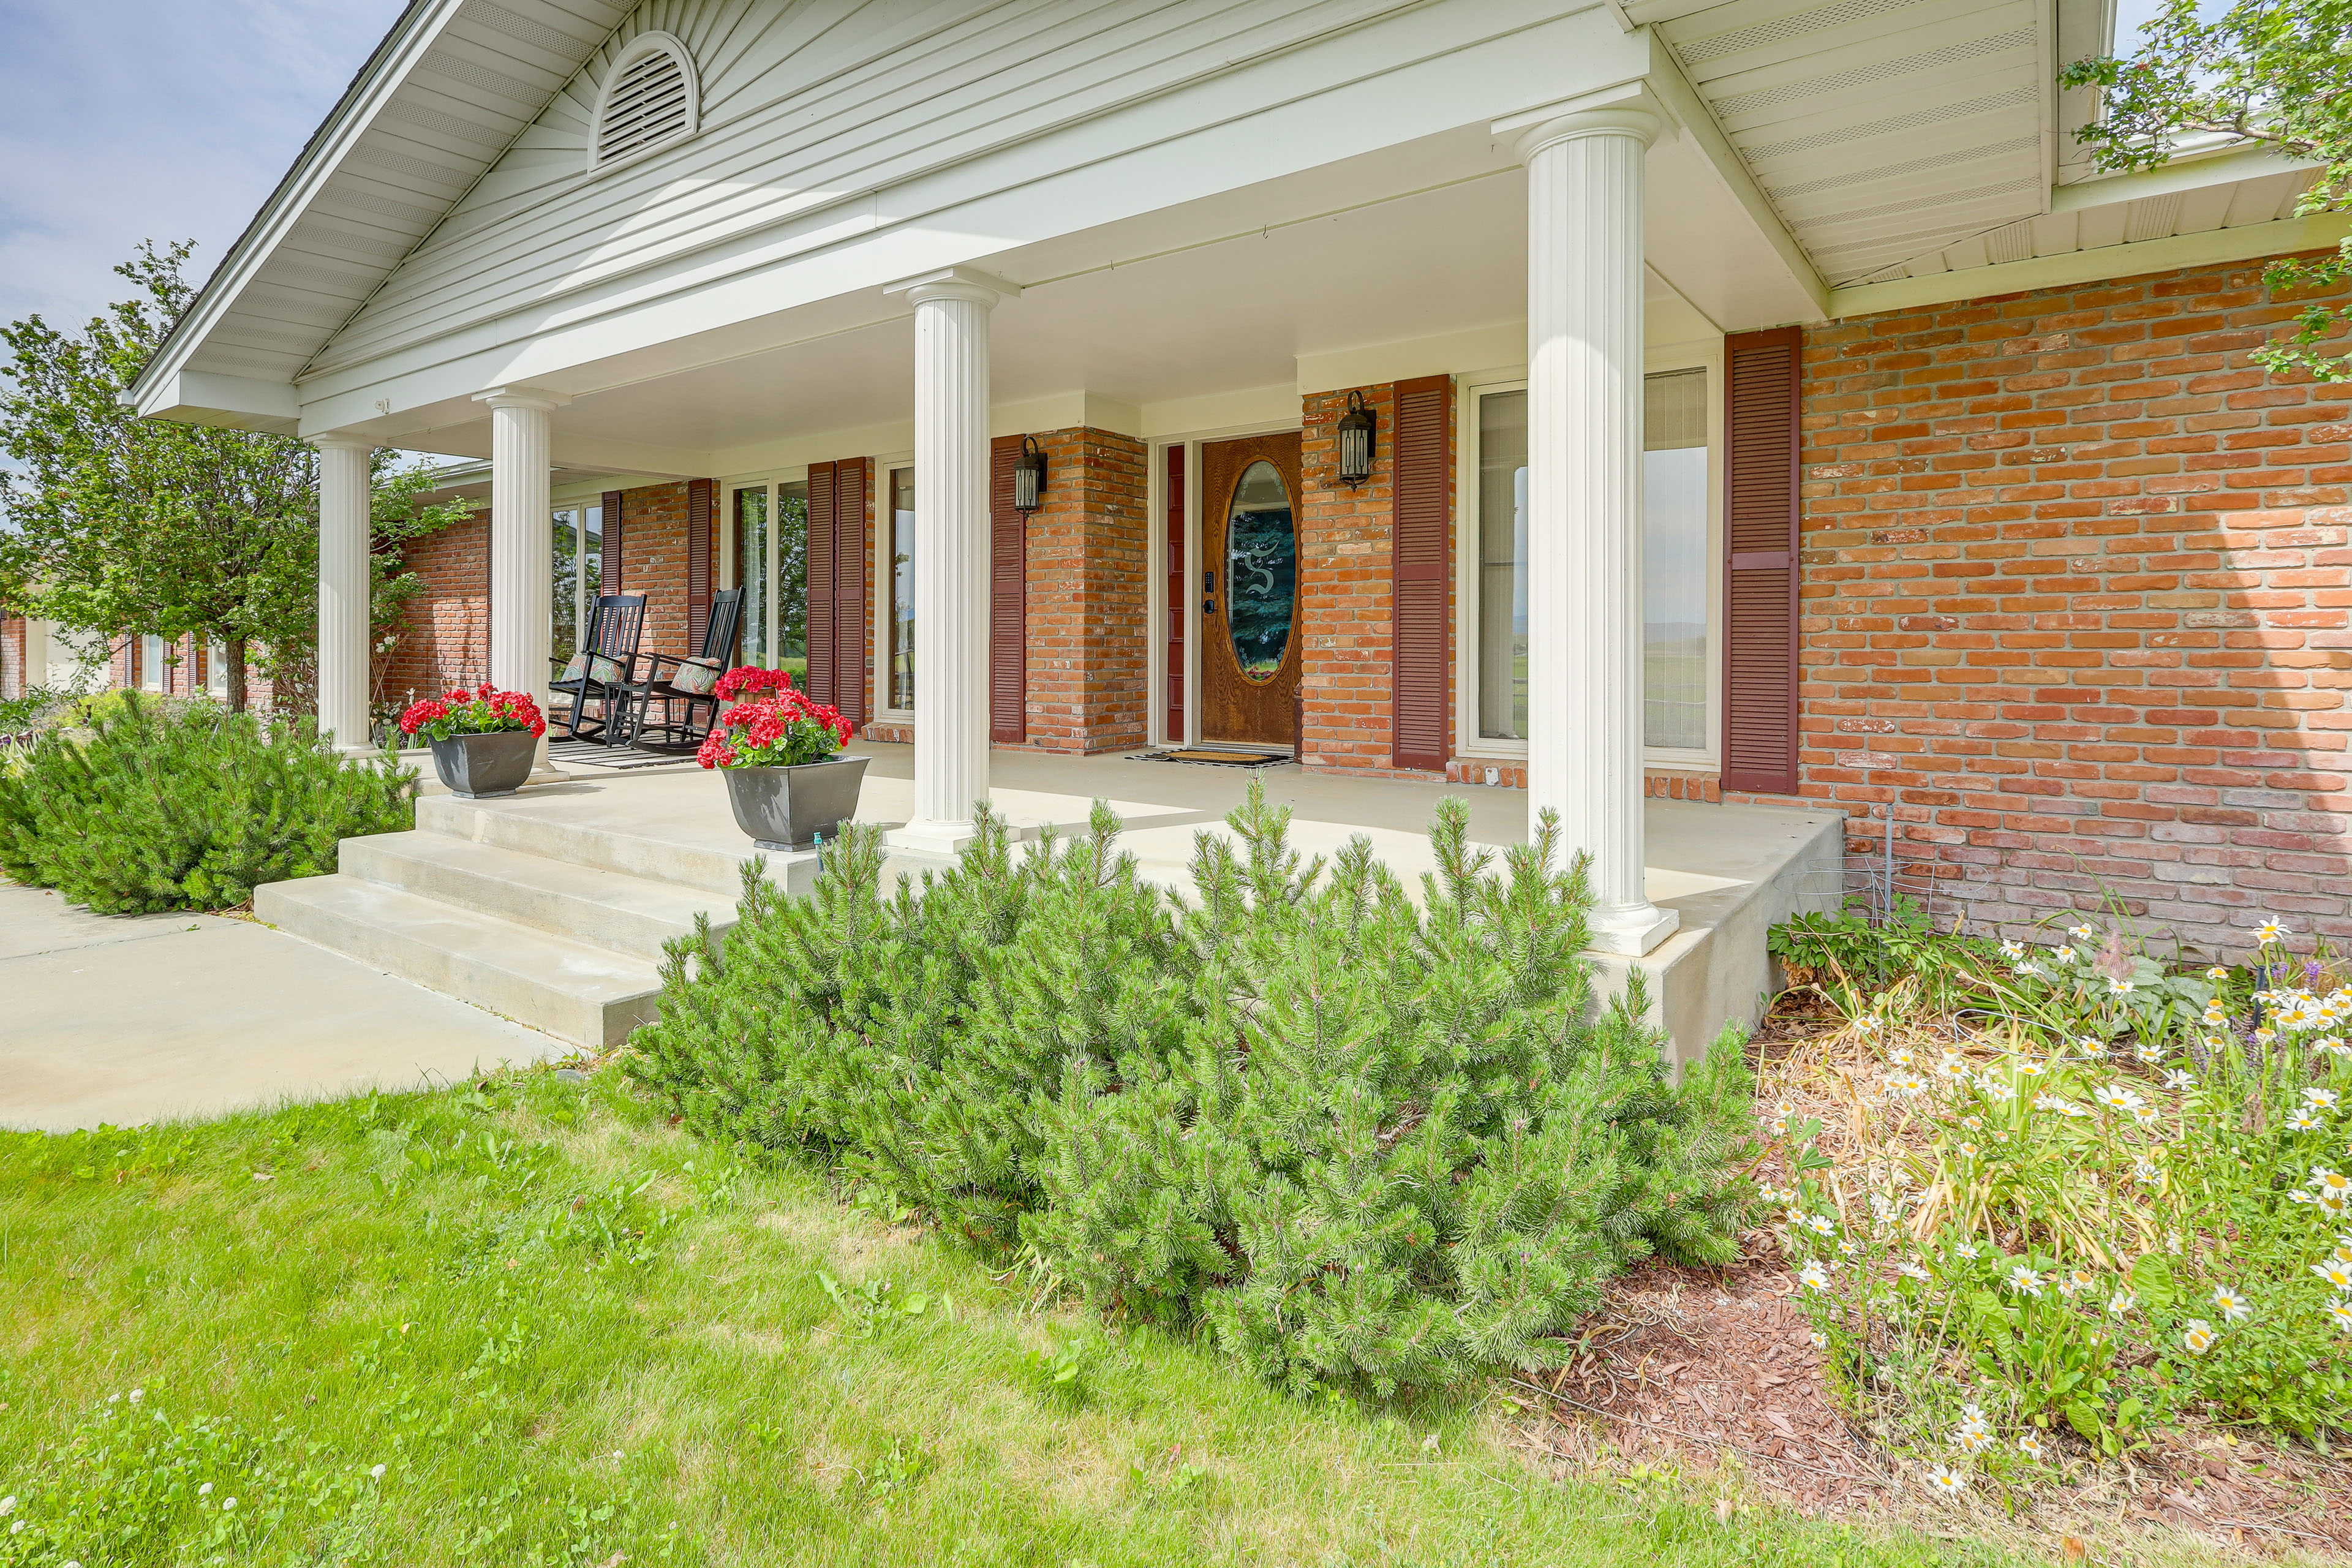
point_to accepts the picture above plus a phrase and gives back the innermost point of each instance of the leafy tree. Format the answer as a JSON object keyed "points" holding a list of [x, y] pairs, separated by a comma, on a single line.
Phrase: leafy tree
{"points": [[118, 524], [2270, 72]]}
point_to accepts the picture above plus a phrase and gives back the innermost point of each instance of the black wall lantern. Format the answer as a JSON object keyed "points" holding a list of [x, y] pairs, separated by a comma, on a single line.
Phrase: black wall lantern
{"points": [[1356, 428], [1028, 475]]}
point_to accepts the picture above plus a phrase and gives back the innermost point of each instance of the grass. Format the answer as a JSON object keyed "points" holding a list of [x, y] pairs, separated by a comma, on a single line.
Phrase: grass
{"points": [[571, 1335]]}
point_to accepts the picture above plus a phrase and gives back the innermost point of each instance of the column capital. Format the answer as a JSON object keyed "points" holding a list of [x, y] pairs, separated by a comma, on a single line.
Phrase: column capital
{"points": [[335, 442], [1638, 123], [983, 289], [522, 397]]}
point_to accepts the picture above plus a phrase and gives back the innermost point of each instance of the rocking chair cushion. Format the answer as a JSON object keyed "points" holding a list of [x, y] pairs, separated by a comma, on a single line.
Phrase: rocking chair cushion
{"points": [[593, 666], [695, 676]]}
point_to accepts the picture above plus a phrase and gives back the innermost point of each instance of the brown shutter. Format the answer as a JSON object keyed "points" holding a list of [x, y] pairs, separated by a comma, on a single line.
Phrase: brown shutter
{"points": [[817, 623], [849, 627], [1008, 609], [1759, 541], [698, 560], [1417, 543], [1179, 594], [613, 541]]}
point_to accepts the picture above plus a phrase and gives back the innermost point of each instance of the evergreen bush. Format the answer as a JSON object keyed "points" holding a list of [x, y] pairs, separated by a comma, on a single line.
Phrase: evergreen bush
{"points": [[1364, 1141], [185, 805]]}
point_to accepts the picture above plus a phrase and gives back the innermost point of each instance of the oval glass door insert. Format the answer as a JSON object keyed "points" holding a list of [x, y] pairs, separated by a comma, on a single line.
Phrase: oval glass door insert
{"points": [[1261, 572]]}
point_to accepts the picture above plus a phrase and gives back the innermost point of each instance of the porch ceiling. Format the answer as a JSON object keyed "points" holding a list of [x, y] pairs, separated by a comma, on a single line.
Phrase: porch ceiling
{"points": [[1213, 298]]}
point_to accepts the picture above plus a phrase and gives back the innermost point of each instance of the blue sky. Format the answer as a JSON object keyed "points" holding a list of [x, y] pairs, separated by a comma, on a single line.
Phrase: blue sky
{"points": [[130, 119]]}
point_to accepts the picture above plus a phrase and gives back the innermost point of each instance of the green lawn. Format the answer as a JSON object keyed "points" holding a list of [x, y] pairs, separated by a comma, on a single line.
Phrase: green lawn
{"points": [[573, 1336]]}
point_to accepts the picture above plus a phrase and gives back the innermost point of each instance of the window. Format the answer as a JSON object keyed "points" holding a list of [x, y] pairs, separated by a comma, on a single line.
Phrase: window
{"points": [[771, 565], [1677, 560], [899, 612], [153, 673], [649, 101], [216, 670], [578, 560]]}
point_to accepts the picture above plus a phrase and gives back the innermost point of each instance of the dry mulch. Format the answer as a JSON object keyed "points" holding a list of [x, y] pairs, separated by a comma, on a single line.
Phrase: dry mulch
{"points": [[1701, 1366]]}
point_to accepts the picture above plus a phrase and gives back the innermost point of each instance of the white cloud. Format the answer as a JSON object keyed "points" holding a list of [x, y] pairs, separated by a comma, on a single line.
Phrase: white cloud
{"points": [[130, 119]]}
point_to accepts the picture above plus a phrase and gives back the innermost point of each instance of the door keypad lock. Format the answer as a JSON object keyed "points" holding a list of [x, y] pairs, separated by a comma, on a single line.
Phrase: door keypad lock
{"points": [[1209, 592]]}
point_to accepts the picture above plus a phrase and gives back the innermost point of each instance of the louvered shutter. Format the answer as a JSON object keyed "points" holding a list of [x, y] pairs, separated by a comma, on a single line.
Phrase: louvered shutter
{"points": [[849, 626], [817, 622], [653, 101], [1008, 610], [612, 541], [1417, 543], [1180, 594], [1759, 534], [698, 511]]}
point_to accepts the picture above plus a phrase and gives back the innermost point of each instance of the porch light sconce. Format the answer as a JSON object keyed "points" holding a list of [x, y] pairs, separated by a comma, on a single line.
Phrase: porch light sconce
{"points": [[1028, 475], [1356, 428]]}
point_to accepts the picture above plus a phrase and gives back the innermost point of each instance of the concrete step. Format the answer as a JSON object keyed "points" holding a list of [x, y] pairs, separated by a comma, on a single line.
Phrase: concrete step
{"points": [[571, 832], [572, 990], [630, 915]]}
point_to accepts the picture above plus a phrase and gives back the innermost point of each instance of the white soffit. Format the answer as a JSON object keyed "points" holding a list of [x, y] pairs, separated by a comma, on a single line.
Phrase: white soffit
{"points": [[1879, 129], [445, 96]]}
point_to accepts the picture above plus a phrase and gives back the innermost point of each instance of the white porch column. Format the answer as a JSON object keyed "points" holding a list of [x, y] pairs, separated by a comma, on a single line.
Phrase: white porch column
{"points": [[343, 629], [1584, 505], [521, 540], [952, 555]]}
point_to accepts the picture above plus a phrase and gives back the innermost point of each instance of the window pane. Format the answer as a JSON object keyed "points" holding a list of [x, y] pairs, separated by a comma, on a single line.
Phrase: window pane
{"points": [[1503, 565], [564, 589], [902, 588], [792, 577], [1674, 560], [751, 570], [591, 561]]}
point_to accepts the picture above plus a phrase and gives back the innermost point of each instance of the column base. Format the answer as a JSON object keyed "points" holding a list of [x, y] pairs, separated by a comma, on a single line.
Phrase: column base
{"points": [[944, 839], [1633, 932]]}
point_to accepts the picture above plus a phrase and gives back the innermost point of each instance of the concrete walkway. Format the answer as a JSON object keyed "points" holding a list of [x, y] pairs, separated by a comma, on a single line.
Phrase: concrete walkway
{"points": [[134, 1018]]}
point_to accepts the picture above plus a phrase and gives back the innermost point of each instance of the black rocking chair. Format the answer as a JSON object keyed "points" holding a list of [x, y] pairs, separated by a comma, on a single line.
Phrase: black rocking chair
{"points": [[663, 671], [603, 671]]}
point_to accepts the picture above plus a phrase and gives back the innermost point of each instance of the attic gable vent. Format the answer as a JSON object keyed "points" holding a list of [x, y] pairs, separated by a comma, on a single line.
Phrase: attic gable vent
{"points": [[649, 99]]}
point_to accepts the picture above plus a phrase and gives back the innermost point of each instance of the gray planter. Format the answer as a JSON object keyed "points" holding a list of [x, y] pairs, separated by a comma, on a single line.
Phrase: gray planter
{"points": [[786, 808], [478, 765]]}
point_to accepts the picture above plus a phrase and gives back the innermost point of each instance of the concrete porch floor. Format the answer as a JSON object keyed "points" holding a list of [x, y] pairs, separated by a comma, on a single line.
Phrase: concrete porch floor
{"points": [[1730, 871]]}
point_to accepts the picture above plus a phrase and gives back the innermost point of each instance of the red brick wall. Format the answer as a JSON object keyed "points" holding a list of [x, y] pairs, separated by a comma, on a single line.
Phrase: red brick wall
{"points": [[1087, 604], [2076, 601], [653, 547], [1345, 597], [443, 639]]}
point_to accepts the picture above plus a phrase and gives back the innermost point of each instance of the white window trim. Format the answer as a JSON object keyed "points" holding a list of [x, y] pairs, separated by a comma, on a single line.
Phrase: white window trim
{"points": [[773, 482], [1705, 355], [636, 48], [879, 582]]}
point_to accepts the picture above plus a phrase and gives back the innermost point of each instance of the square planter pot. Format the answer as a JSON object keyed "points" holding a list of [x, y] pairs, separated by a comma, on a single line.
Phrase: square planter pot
{"points": [[474, 766], [786, 808]]}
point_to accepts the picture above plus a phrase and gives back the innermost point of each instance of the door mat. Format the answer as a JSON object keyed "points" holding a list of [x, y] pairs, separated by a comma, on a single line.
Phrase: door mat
{"points": [[596, 754], [1221, 757]]}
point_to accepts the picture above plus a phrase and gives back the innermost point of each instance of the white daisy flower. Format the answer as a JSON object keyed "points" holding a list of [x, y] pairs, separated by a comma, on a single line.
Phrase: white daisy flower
{"points": [[2084, 932], [2341, 1312], [2145, 1171], [2063, 955], [2025, 1281], [1821, 1342], [2120, 1304], [2031, 1447], [2116, 1096], [1953, 1064], [2179, 1081], [2029, 969], [1945, 1481], [1907, 1083], [1814, 1277], [2336, 1274], [1972, 1438], [2234, 1307], [1967, 1249], [1910, 1271], [2121, 987], [2012, 949], [2321, 1099], [1821, 1225], [2304, 1122], [2199, 1336], [2269, 932], [2030, 1067]]}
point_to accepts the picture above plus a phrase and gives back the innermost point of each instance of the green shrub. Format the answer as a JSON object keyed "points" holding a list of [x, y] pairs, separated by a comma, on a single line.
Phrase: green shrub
{"points": [[186, 806], [1363, 1140]]}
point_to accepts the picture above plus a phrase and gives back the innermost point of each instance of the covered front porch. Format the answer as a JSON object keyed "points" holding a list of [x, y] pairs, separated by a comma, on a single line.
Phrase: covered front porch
{"points": [[550, 907]]}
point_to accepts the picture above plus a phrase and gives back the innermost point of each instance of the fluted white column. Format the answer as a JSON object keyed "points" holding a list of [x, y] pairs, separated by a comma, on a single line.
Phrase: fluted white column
{"points": [[521, 539], [1584, 505], [952, 556], [344, 627]]}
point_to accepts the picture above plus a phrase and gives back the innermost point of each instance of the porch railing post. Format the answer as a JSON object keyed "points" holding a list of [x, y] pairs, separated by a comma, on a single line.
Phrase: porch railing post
{"points": [[1584, 505]]}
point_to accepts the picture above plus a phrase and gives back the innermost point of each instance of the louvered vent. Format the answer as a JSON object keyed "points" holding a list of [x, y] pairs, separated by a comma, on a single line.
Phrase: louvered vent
{"points": [[650, 100]]}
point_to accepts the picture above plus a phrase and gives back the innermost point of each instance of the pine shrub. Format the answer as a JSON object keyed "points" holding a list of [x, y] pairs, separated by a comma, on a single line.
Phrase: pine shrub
{"points": [[1363, 1139], [183, 806]]}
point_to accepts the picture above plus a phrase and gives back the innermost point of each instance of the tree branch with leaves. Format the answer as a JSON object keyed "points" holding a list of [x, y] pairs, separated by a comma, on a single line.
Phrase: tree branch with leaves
{"points": [[2272, 73]]}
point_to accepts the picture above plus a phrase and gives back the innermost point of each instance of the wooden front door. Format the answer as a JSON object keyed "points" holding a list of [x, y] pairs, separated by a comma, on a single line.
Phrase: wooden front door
{"points": [[1250, 641]]}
